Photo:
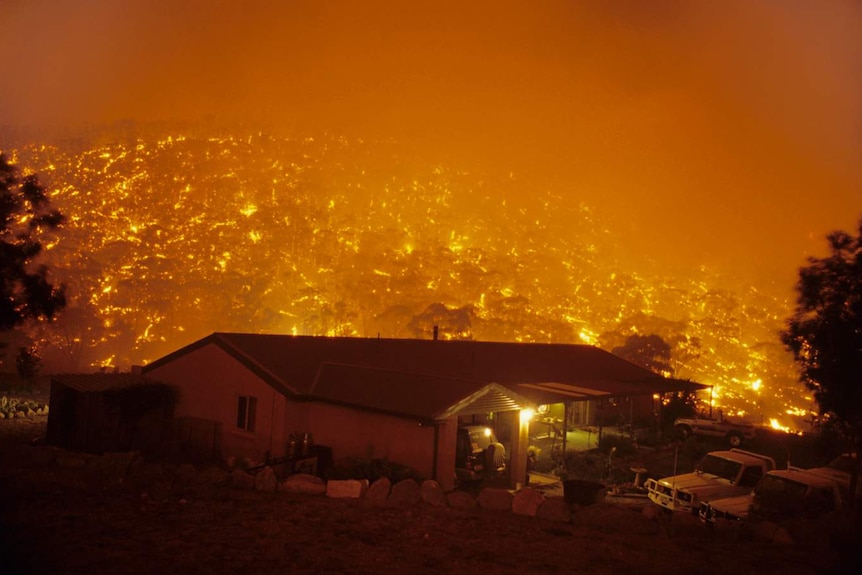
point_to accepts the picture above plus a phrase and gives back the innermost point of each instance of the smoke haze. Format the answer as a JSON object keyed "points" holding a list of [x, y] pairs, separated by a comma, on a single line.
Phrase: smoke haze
{"points": [[727, 134]]}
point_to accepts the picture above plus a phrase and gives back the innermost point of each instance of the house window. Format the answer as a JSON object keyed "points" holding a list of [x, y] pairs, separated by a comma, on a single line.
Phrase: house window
{"points": [[246, 410]]}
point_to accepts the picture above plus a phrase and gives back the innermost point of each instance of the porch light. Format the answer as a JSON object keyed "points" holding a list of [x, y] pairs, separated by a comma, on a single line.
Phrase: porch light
{"points": [[527, 414]]}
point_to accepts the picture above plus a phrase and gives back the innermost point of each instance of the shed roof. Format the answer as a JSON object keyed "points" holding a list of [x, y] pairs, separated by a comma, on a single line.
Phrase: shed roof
{"points": [[97, 382]]}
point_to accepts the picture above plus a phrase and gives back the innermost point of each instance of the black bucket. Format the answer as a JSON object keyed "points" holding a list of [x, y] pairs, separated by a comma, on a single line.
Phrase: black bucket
{"points": [[582, 492]]}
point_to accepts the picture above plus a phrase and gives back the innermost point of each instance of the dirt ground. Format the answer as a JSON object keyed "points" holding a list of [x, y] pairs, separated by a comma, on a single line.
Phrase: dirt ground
{"points": [[64, 519]]}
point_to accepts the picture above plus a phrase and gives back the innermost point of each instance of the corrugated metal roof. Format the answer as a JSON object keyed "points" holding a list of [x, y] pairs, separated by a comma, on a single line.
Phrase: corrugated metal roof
{"points": [[417, 395]]}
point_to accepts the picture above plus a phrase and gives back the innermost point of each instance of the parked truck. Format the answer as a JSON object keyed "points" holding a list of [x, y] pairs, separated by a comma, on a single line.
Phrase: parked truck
{"points": [[781, 494], [718, 475], [735, 432]]}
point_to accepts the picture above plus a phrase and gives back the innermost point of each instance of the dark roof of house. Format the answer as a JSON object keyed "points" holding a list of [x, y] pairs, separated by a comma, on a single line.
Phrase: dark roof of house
{"points": [[430, 396], [424, 377], [96, 382]]}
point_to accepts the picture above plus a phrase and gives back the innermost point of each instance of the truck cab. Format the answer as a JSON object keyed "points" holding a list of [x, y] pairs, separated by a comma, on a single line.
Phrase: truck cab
{"points": [[718, 475]]}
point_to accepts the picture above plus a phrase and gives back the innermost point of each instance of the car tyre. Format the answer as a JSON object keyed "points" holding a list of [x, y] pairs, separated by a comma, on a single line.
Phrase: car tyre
{"points": [[683, 431], [734, 438]]}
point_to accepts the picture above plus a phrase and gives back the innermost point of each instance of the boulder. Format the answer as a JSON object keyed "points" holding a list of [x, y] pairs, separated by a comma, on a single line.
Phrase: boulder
{"points": [[432, 493], [187, 474], [527, 502], [461, 500], [265, 480], [495, 499], [555, 509], [304, 483], [346, 488], [241, 479], [378, 492], [405, 492]]}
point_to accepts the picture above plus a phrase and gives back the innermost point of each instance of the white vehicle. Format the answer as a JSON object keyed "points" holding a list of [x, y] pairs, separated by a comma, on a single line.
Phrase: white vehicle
{"points": [[719, 474], [780, 494], [736, 433], [840, 470]]}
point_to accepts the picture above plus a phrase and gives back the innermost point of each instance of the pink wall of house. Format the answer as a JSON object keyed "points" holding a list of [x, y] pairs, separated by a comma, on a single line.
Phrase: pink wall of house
{"points": [[210, 382], [363, 434]]}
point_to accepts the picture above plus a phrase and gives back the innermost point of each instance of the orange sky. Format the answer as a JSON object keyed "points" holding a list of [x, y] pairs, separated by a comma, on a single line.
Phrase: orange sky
{"points": [[726, 133]]}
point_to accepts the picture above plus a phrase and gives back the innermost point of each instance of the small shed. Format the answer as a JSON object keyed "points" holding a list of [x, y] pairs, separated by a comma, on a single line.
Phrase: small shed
{"points": [[100, 412]]}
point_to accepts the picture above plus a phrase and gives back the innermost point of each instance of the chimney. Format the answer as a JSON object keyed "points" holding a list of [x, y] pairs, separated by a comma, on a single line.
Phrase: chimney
{"points": [[435, 333]]}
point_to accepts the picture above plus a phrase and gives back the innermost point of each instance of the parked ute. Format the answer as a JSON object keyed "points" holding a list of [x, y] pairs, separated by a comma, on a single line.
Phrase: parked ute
{"points": [[719, 474], [478, 454], [840, 469], [781, 494], [736, 433]]}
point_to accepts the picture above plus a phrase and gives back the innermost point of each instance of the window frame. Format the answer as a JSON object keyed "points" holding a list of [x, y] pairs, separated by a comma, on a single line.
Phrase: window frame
{"points": [[246, 413]]}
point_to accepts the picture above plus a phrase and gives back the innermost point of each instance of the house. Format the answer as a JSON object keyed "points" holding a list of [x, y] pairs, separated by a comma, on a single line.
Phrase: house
{"points": [[247, 395]]}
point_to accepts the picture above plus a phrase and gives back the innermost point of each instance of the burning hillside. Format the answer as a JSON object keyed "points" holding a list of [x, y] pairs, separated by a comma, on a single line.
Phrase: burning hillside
{"points": [[176, 234]]}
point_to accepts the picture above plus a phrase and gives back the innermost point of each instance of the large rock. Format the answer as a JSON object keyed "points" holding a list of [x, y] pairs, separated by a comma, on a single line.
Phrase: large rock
{"points": [[495, 499], [555, 509], [378, 492], [461, 500], [432, 493], [265, 480], [187, 474], [70, 460], [346, 488], [405, 492], [527, 502], [241, 479], [304, 483]]}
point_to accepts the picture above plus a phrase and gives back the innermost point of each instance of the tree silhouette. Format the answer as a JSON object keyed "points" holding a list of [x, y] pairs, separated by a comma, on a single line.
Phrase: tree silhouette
{"points": [[649, 351], [25, 214], [825, 334]]}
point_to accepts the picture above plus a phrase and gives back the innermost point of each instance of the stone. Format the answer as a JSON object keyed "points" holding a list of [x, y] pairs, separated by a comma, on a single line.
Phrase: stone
{"points": [[187, 474], [304, 483], [213, 476], [527, 502], [379, 491], [495, 499], [265, 480], [555, 509], [69, 460], [405, 492], [432, 493], [461, 500], [346, 488], [241, 479]]}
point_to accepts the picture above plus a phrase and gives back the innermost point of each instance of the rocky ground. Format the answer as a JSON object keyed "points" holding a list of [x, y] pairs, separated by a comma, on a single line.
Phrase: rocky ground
{"points": [[63, 513]]}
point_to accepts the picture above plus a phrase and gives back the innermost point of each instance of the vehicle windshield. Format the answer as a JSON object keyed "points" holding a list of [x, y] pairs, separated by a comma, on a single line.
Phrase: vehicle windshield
{"points": [[719, 466], [776, 484]]}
